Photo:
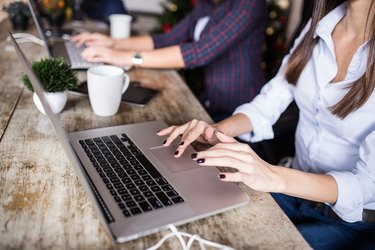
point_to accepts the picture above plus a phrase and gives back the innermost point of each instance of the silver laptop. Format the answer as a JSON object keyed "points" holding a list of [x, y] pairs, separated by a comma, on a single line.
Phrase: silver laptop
{"points": [[59, 47], [136, 185]]}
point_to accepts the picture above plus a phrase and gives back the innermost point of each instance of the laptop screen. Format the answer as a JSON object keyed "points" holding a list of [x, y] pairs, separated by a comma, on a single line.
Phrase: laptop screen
{"points": [[38, 23]]}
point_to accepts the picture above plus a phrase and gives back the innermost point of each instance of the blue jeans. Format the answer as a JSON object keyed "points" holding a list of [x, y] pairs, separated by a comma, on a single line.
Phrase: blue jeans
{"points": [[323, 232]]}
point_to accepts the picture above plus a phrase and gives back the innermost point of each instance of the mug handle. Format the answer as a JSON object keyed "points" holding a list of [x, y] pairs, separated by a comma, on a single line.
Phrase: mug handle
{"points": [[126, 83]]}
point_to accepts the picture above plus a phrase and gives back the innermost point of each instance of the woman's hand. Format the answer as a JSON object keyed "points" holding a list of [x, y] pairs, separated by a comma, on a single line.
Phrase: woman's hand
{"points": [[252, 170], [107, 55], [191, 131], [93, 39]]}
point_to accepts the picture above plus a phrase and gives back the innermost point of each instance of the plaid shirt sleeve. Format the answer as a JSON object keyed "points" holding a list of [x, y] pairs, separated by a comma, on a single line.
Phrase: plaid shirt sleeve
{"points": [[240, 19], [179, 34]]}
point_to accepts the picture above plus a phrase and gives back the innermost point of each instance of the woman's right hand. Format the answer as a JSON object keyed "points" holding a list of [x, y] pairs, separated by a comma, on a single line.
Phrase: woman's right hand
{"points": [[192, 131], [93, 39]]}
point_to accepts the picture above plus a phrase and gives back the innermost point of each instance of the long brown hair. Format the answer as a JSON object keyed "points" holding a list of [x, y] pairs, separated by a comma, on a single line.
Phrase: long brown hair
{"points": [[361, 89]]}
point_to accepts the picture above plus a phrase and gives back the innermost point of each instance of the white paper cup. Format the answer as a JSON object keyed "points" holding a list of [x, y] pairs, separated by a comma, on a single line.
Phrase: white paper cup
{"points": [[120, 25], [106, 84]]}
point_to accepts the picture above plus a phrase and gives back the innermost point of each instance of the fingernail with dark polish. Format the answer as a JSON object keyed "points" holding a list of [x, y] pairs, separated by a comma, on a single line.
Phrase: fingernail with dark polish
{"points": [[164, 141], [158, 131], [221, 176], [201, 160], [176, 153], [182, 143], [194, 155]]}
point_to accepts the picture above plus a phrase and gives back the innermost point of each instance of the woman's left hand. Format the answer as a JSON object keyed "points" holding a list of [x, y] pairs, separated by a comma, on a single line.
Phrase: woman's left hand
{"points": [[107, 55], [252, 170]]}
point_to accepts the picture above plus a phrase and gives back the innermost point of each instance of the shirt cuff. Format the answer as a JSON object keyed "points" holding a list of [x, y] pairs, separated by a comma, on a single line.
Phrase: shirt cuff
{"points": [[158, 41], [349, 204], [262, 130]]}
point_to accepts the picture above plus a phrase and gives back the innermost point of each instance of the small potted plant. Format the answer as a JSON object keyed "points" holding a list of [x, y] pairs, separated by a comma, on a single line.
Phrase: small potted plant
{"points": [[54, 11], [56, 77], [19, 14]]}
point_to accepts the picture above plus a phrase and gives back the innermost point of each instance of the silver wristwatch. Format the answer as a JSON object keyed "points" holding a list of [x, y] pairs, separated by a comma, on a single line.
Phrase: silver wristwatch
{"points": [[137, 59]]}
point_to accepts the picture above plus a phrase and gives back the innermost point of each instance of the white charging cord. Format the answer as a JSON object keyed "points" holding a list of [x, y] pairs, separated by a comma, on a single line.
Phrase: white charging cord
{"points": [[25, 38], [192, 238]]}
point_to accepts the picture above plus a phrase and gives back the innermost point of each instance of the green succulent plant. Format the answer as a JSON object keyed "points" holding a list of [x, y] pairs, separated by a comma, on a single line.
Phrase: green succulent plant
{"points": [[17, 9], [54, 74]]}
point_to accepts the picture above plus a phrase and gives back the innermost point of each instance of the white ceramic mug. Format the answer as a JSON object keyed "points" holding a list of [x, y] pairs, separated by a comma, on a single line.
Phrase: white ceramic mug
{"points": [[120, 25], [106, 84]]}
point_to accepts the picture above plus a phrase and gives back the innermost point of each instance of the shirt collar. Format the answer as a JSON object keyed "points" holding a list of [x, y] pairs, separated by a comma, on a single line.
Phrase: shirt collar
{"points": [[326, 25]]}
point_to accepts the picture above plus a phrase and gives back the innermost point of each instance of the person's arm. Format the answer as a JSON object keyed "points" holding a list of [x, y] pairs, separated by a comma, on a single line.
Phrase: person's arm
{"points": [[169, 57], [138, 43], [262, 176]]}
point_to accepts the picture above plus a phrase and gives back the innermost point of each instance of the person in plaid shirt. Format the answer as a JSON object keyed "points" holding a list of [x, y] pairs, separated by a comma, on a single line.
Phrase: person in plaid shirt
{"points": [[225, 37]]}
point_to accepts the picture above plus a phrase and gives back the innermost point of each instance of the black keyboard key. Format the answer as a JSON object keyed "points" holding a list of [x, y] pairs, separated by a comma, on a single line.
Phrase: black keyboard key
{"points": [[146, 177], [139, 198], [138, 167], [142, 172], [130, 172], [130, 186], [139, 183], [119, 185], [114, 179], [122, 175], [177, 200], [172, 193], [148, 166], [148, 194], [126, 213], [155, 189], [161, 181], [167, 188], [164, 199], [126, 197], [155, 203], [131, 203], [121, 205], [117, 198], [145, 206], [143, 188], [89, 142], [134, 192], [135, 210], [122, 191], [133, 162], [126, 180], [135, 177], [151, 183]]}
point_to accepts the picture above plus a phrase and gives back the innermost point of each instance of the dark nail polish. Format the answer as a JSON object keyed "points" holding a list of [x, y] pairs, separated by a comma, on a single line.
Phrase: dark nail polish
{"points": [[201, 160], [164, 141], [176, 153], [182, 143], [158, 131], [194, 155], [221, 176]]}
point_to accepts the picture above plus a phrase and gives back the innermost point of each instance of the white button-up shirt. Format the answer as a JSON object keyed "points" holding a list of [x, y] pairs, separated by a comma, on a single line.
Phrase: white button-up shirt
{"points": [[342, 148]]}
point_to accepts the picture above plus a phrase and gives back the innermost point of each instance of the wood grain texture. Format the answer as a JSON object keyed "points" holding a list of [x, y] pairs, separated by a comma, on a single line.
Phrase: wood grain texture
{"points": [[42, 203]]}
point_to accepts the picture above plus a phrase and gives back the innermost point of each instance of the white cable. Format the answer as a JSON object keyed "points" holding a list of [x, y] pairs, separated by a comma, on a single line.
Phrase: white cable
{"points": [[192, 238], [25, 37]]}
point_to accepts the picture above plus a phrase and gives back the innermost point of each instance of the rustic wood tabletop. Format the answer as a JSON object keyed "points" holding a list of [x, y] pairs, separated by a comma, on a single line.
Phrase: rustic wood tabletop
{"points": [[42, 203]]}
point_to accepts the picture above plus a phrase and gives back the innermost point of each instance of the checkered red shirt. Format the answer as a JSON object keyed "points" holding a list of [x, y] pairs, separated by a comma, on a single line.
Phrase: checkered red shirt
{"points": [[229, 49]]}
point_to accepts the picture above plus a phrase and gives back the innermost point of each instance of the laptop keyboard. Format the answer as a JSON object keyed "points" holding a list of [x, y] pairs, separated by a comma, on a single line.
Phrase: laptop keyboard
{"points": [[135, 184], [75, 57]]}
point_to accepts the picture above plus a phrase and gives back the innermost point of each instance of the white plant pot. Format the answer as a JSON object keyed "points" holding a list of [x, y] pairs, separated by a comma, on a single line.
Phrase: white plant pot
{"points": [[56, 101]]}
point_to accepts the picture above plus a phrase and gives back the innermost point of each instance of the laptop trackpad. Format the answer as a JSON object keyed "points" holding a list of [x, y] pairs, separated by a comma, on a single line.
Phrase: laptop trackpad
{"points": [[175, 165]]}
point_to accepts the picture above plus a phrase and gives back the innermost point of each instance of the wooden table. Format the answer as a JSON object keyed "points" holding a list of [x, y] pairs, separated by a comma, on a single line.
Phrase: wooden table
{"points": [[42, 203]]}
